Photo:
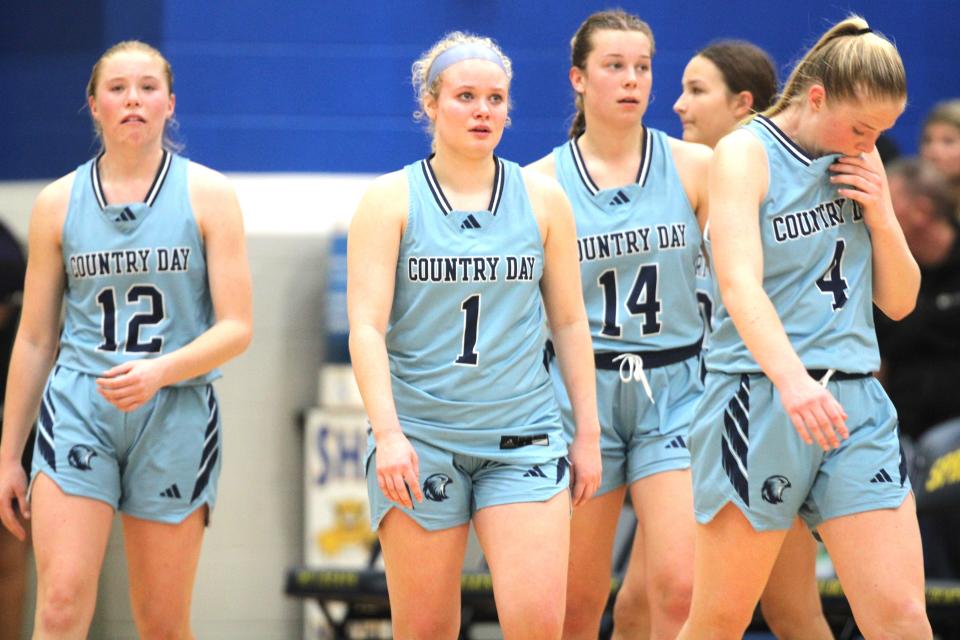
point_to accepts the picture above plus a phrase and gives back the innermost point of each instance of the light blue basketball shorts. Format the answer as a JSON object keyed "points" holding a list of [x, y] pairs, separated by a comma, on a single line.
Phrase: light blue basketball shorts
{"points": [[639, 438], [456, 486], [745, 450], [159, 462]]}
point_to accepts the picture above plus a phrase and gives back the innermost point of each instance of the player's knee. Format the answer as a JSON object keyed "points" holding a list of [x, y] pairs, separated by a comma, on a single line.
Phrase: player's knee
{"points": [[60, 609], [898, 617], [631, 609], [426, 627], [156, 622], [583, 612], [674, 591], [157, 629], [790, 620]]}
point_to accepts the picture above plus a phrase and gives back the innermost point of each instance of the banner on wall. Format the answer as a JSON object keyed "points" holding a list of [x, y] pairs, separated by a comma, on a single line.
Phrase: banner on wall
{"points": [[336, 512]]}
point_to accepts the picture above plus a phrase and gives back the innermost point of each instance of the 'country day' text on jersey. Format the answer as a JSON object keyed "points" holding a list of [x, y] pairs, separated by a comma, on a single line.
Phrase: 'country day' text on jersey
{"points": [[817, 266], [136, 277], [638, 247], [467, 325]]}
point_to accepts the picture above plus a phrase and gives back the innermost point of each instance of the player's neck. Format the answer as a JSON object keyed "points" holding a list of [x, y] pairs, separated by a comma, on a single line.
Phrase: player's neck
{"points": [[795, 122], [612, 144], [121, 163], [461, 173]]}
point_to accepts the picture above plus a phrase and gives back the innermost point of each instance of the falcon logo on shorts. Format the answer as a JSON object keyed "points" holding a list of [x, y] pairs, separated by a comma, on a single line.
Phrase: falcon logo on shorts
{"points": [[435, 487], [80, 457], [773, 488]]}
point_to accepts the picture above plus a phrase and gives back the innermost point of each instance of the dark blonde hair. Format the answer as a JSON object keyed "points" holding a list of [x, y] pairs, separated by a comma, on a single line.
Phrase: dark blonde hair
{"points": [[125, 46], [851, 62], [582, 44], [744, 67], [945, 112]]}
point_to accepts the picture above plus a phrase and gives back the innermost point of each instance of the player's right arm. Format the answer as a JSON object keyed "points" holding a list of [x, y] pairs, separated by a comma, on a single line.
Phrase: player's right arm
{"points": [[738, 181], [373, 247], [35, 347]]}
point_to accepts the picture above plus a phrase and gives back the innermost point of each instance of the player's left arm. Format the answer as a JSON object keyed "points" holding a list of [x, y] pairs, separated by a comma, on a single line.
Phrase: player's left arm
{"points": [[896, 276], [693, 166], [563, 300], [217, 210]]}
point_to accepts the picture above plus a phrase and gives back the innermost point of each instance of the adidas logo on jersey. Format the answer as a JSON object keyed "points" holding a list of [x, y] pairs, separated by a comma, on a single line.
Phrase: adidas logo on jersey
{"points": [[171, 492], [881, 476], [676, 443], [470, 223], [620, 198], [534, 472], [126, 214]]}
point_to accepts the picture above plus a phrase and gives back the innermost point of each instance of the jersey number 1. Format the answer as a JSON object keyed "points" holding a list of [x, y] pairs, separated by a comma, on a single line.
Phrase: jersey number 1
{"points": [[471, 321], [107, 299]]}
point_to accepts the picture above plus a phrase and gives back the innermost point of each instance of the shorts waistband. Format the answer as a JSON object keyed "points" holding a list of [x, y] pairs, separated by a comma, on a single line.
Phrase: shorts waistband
{"points": [[818, 374], [610, 360]]}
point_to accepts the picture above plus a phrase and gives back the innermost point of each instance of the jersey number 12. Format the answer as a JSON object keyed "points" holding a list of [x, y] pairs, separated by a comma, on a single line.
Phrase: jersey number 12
{"points": [[107, 300]]}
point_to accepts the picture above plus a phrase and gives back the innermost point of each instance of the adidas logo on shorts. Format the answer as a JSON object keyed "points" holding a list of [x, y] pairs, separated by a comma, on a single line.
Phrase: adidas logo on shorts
{"points": [[171, 492], [881, 476], [676, 443]]}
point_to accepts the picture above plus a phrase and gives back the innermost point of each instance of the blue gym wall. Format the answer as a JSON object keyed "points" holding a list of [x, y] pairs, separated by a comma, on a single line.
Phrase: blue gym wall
{"points": [[299, 85]]}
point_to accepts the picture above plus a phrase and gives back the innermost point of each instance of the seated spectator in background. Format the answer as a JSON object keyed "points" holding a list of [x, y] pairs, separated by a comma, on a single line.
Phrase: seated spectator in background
{"points": [[13, 553], [921, 353], [940, 141]]}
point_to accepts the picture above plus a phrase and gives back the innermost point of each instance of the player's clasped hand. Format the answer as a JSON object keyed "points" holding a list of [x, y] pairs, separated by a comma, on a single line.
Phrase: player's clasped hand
{"points": [[131, 384], [859, 179], [585, 468], [398, 469], [13, 488], [815, 413]]}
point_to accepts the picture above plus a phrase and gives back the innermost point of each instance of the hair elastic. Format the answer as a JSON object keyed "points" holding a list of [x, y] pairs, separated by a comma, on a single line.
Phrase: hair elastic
{"points": [[865, 30], [460, 52]]}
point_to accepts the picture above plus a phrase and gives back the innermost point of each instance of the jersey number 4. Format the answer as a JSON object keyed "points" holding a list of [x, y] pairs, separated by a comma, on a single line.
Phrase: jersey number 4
{"points": [[107, 300], [642, 300], [832, 281]]}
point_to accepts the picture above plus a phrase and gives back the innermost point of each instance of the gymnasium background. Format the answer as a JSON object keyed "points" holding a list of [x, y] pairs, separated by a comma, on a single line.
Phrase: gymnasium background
{"points": [[300, 101]]}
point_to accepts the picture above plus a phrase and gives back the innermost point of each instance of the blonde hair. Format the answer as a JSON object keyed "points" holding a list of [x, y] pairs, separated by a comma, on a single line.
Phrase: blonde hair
{"points": [[851, 62], [581, 44], [420, 71], [126, 46]]}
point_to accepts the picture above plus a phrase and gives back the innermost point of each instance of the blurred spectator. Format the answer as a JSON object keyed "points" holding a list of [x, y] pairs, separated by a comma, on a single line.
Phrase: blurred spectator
{"points": [[921, 354], [940, 141], [13, 553]]}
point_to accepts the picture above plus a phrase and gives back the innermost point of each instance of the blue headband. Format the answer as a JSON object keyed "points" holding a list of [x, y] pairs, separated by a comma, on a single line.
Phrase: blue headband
{"points": [[459, 53]]}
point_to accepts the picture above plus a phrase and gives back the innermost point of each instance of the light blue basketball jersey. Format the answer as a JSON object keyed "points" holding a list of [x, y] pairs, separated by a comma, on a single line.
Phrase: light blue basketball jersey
{"points": [[638, 248], [466, 329], [136, 276], [817, 266]]}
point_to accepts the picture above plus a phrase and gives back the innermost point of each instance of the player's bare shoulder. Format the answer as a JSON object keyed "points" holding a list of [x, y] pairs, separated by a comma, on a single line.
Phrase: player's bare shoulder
{"points": [[387, 198], [547, 165], [690, 157], [546, 194], [53, 201]]}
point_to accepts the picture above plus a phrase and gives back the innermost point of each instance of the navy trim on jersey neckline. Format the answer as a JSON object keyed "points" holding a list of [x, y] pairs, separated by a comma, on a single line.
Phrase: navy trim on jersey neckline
{"points": [[444, 204], [646, 151], [792, 147], [152, 192]]}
